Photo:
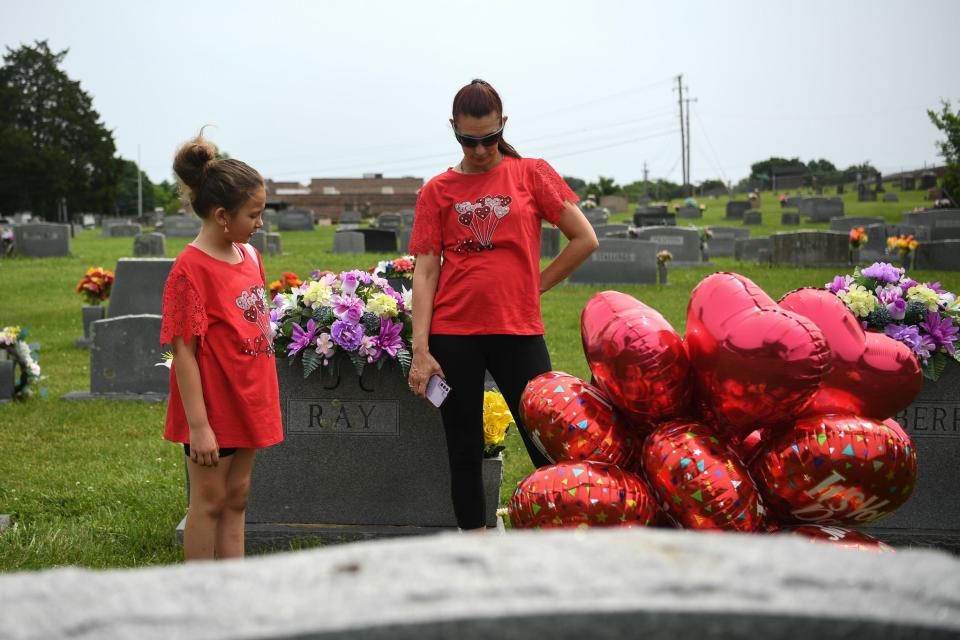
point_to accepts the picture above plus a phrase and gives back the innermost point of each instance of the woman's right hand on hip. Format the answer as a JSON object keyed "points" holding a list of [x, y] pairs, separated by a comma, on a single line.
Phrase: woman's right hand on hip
{"points": [[424, 365]]}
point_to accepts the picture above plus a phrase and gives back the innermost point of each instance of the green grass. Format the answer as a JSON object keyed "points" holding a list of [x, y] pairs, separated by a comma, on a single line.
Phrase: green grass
{"points": [[94, 484]]}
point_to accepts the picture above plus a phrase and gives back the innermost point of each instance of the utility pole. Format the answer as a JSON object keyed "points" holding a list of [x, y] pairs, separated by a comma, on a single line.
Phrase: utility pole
{"points": [[689, 171], [683, 138], [139, 186], [646, 183]]}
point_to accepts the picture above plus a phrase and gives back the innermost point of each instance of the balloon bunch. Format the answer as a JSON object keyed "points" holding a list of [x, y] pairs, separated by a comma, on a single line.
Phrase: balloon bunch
{"points": [[769, 416]]}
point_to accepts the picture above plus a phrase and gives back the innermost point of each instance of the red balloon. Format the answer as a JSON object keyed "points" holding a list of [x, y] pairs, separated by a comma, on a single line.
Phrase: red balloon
{"points": [[636, 357], [569, 419], [842, 470], [754, 363], [749, 447], [838, 536], [701, 483], [582, 494], [873, 375]]}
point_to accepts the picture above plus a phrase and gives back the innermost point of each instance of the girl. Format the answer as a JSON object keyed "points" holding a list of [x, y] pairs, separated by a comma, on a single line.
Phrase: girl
{"points": [[224, 402], [480, 309]]}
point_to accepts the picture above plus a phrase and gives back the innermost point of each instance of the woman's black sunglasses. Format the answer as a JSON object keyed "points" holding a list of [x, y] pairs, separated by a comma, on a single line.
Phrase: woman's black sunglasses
{"points": [[488, 141]]}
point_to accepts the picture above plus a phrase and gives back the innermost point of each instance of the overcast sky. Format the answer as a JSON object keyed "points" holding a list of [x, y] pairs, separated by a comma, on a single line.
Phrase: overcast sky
{"points": [[311, 89]]}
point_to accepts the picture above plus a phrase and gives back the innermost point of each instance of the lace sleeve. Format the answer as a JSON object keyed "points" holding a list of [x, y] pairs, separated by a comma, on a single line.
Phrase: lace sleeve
{"points": [[427, 234], [550, 192], [183, 311]]}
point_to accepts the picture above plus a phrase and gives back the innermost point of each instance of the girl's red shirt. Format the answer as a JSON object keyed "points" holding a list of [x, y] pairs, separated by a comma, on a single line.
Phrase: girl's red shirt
{"points": [[486, 226], [225, 306]]}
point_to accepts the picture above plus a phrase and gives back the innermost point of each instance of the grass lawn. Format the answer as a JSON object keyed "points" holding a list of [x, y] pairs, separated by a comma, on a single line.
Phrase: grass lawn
{"points": [[94, 484]]}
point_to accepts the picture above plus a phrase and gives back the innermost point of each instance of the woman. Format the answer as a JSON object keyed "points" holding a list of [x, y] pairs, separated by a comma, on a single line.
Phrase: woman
{"points": [[479, 308]]}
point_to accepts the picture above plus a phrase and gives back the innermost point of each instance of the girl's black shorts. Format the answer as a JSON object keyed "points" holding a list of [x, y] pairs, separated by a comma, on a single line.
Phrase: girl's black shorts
{"points": [[226, 451]]}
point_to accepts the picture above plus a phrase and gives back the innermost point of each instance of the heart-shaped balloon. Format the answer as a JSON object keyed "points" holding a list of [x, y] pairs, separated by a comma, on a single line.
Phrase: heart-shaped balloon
{"points": [[838, 536], [465, 218], [500, 211], [582, 494], [755, 364], [843, 470], [636, 357], [481, 212], [569, 419], [701, 483], [873, 375]]}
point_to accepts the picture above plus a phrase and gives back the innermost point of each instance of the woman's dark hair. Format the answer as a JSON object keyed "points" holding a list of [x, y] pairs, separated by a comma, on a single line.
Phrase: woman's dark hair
{"points": [[209, 182], [479, 99]]}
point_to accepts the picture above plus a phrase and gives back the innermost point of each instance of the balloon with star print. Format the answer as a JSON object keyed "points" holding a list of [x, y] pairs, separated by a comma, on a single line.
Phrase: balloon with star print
{"points": [[569, 419], [840, 537], [700, 481], [582, 494], [836, 470]]}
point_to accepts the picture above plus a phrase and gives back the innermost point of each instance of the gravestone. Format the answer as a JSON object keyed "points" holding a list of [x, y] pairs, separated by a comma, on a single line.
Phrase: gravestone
{"points": [[349, 220], [619, 261], [41, 239], [596, 215], [88, 220], [724, 240], [890, 197], [930, 217], [348, 242], [603, 229], [107, 223], [654, 217], [753, 216], [876, 246], [379, 240], [407, 217], [324, 221], [789, 218], [945, 228], [138, 286], [928, 180], [181, 226], [150, 245], [810, 249], [931, 517], [908, 183], [391, 221], [616, 204], [126, 230], [259, 242], [840, 189], [689, 213], [7, 382], [938, 255], [549, 242], [274, 244], [846, 224], [867, 196], [334, 424], [736, 209], [682, 242], [403, 238], [821, 209], [295, 220], [271, 217], [123, 359], [752, 250], [793, 202]]}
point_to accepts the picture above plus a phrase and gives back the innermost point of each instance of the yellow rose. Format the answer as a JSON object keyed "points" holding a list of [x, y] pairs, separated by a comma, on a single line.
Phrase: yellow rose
{"points": [[496, 417]]}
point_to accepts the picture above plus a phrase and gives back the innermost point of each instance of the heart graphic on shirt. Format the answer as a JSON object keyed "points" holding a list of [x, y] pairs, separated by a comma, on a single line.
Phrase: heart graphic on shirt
{"points": [[465, 218], [505, 200], [482, 212], [250, 314], [500, 211]]}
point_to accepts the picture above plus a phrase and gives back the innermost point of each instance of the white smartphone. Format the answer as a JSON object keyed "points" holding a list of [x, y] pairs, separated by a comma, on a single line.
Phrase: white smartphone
{"points": [[437, 390]]}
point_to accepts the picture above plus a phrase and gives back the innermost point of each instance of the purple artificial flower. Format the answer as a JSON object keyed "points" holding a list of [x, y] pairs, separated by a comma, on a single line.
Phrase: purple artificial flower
{"points": [[892, 299], [840, 283], [363, 276], [883, 272], [941, 330], [348, 308], [301, 339], [346, 335], [921, 345], [907, 283], [380, 282], [349, 282], [937, 288], [370, 348], [389, 339]]}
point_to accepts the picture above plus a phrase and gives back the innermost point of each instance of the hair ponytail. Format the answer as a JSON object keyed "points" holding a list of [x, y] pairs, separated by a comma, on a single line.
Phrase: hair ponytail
{"points": [[477, 100], [209, 182]]}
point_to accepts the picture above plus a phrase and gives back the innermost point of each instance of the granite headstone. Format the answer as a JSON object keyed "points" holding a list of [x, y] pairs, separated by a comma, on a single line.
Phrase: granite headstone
{"points": [[348, 242], [181, 226], [150, 245], [682, 242], [619, 261], [736, 209], [295, 220], [41, 239], [724, 240], [810, 249], [138, 286]]}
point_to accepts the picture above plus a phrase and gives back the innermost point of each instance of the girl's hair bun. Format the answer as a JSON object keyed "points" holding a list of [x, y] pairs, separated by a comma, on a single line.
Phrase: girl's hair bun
{"points": [[190, 163]]}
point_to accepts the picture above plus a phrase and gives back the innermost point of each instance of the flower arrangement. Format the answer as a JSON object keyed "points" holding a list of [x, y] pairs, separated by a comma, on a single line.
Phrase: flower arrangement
{"points": [[353, 312], [287, 282], [663, 257], [923, 316], [783, 200], [399, 268], [13, 340], [95, 285], [902, 245], [858, 238], [496, 421]]}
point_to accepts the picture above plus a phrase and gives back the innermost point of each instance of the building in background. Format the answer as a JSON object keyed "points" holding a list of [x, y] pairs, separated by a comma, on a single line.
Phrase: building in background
{"points": [[371, 195]]}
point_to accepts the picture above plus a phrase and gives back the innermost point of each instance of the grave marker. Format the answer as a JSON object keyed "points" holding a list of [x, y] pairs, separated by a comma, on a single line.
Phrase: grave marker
{"points": [[810, 249], [682, 242], [152, 245], [138, 286], [723, 243], [181, 226], [295, 220], [736, 209], [619, 261], [348, 242], [41, 239]]}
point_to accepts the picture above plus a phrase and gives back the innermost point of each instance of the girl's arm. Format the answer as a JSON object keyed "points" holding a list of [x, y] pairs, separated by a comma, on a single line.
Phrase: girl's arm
{"points": [[426, 273], [204, 449], [583, 241]]}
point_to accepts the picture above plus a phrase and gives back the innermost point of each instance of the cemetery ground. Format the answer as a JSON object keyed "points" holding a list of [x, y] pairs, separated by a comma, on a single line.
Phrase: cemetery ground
{"points": [[94, 484]]}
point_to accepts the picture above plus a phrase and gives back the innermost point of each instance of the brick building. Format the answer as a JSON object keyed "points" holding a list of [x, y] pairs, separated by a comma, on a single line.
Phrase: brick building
{"points": [[370, 195]]}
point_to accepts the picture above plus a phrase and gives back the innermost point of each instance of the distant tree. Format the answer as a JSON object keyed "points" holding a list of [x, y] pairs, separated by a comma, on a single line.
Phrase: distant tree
{"points": [[949, 123], [761, 173], [603, 187], [576, 184], [712, 185], [165, 195], [52, 142], [127, 190], [864, 169]]}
